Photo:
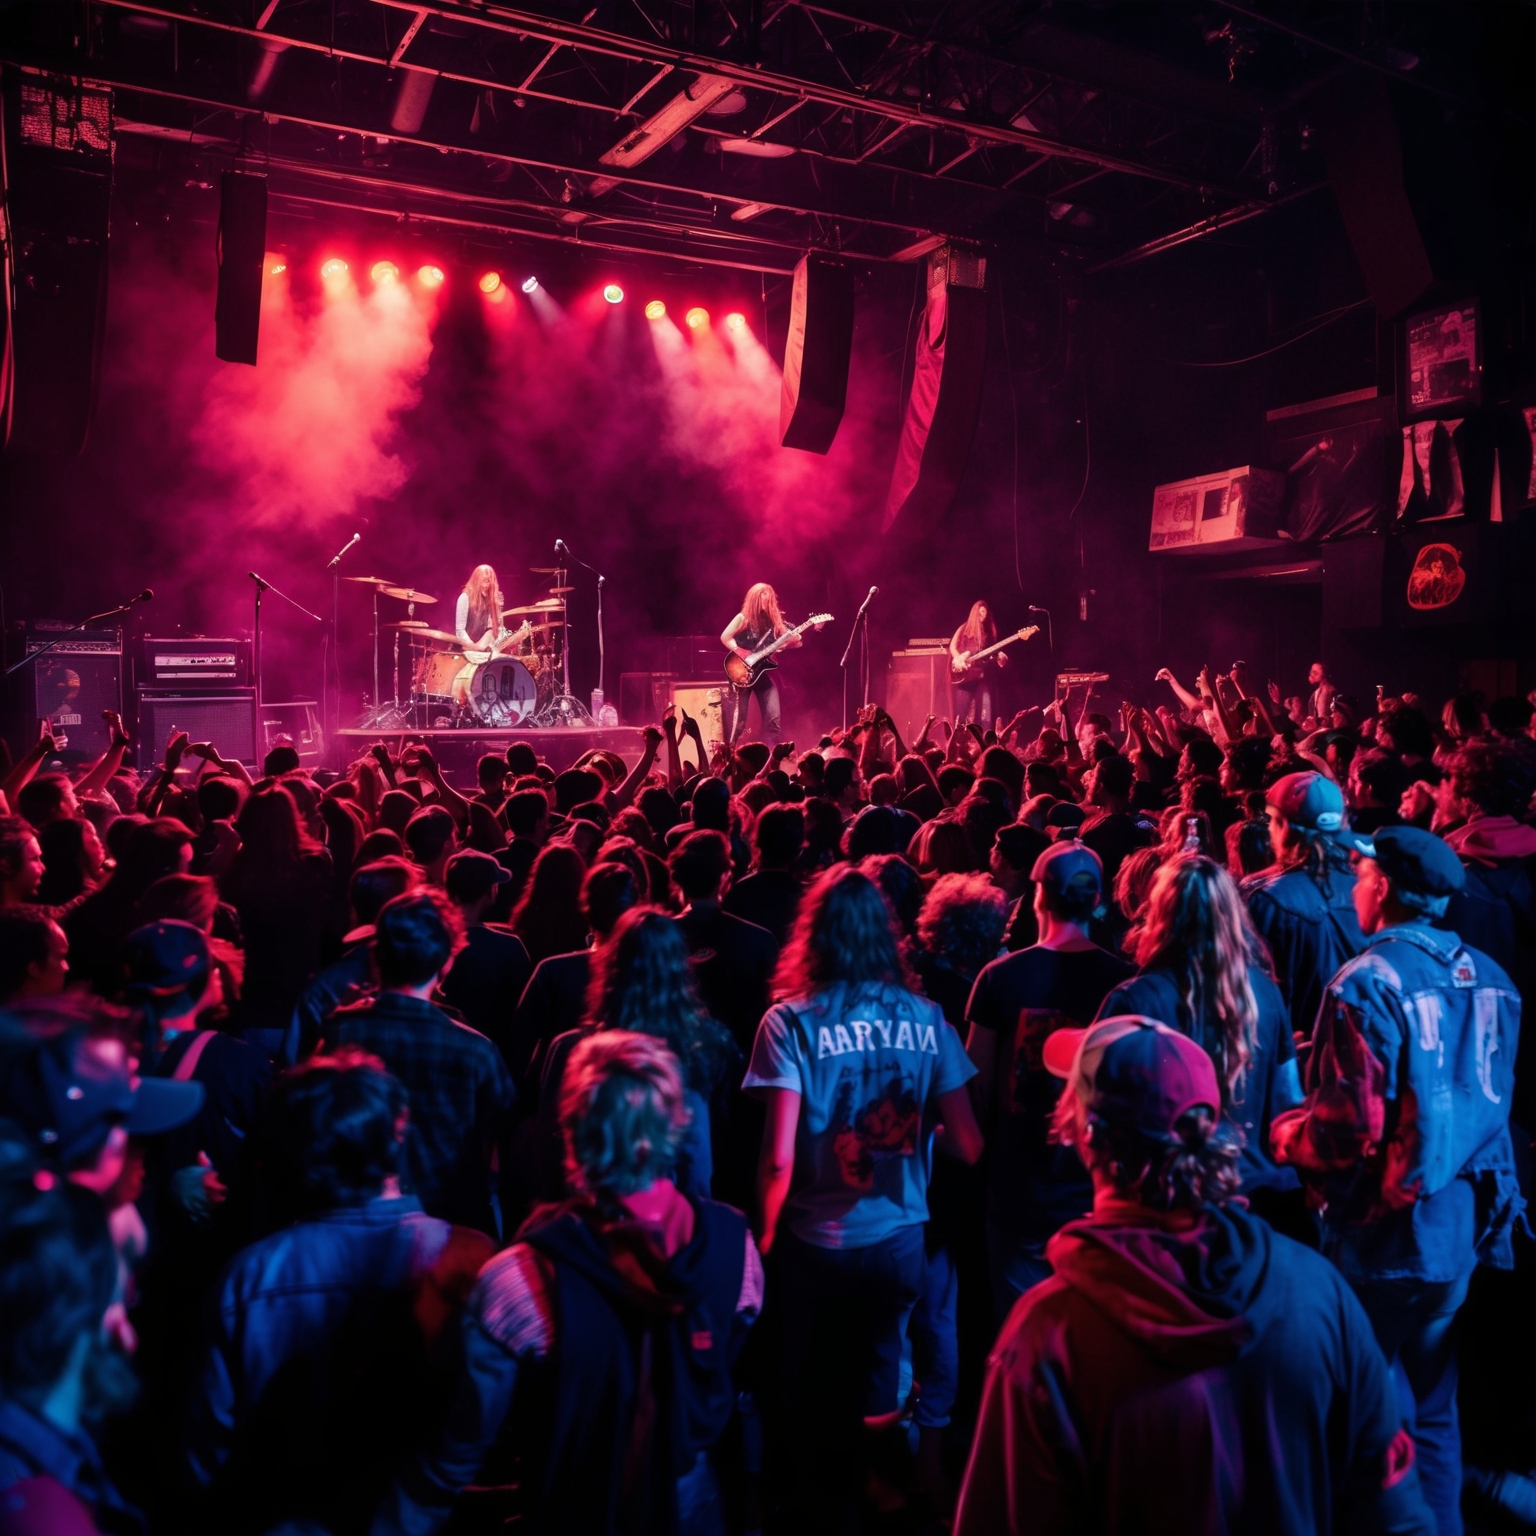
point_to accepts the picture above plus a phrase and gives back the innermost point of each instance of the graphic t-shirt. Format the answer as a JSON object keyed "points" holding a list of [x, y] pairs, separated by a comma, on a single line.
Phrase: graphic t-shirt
{"points": [[869, 1064], [1035, 1185]]}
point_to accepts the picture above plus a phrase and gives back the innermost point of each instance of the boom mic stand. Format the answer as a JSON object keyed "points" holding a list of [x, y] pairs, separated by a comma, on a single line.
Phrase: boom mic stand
{"points": [[74, 629], [860, 628], [565, 708], [266, 586]]}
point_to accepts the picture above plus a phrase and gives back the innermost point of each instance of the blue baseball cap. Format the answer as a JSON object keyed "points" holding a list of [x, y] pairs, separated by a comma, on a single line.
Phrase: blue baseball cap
{"points": [[1415, 860], [1313, 802]]}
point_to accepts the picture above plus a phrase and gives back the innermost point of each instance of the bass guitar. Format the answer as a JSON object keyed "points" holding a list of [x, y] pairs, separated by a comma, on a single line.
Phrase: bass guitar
{"points": [[971, 672], [743, 671]]}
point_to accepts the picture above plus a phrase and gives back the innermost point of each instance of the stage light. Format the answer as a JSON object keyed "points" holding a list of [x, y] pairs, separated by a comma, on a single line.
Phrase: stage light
{"points": [[613, 293], [384, 272], [697, 317], [736, 322], [655, 310], [430, 277], [333, 270], [491, 282], [529, 284], [278, 268]]}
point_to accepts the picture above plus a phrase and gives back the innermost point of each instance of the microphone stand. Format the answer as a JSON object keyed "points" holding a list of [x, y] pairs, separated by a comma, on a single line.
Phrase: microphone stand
{"points": [[64, 635], [266, 586], [568, 709], [860, 626], [333, 681]]}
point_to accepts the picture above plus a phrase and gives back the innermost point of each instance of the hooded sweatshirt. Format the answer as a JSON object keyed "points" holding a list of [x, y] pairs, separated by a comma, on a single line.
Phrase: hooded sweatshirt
{"points": [[1189, 1373]]}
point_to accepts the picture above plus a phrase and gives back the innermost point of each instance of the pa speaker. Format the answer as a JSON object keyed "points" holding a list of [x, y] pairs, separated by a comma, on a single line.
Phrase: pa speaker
{"points": [[70, 687], [58, 171], [945, 400], [816, 355], [242, 256], [1365, 167]]}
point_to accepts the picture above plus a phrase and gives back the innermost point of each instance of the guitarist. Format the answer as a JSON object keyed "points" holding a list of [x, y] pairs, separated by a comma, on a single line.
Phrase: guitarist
{"points": [[974, 694], [759, 621]]}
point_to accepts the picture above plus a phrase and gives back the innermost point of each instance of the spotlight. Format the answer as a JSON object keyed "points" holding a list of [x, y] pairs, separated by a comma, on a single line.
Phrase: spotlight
{"points": [[736, 322], [384, 272], [655, 310], [529, 284], [333, 270], [613, 293], [278, 268], [430, 277], [697, 317], [491, 282]]}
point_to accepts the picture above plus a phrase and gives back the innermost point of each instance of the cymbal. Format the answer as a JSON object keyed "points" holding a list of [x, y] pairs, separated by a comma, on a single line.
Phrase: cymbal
{"points": [[436, 634], [371, 581], [560, 591], [545, 605], [538, 570], [407, 624], [407, 594]]}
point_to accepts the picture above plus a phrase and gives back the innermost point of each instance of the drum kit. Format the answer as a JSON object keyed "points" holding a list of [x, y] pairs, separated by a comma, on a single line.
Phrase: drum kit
{"points": [[521, 681]]}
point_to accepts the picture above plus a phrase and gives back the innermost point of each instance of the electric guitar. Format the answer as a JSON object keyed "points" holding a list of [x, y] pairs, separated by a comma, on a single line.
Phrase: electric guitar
{"points": [[971, 672], [502, 646], [743, 671]]}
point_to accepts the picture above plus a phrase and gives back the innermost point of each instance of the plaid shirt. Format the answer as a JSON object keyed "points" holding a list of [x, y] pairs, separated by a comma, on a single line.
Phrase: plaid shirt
{"points": [[461, 1097]]}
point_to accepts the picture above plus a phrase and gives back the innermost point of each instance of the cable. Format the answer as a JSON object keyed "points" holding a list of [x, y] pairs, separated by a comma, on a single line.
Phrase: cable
{"points": [[1237, 362]]}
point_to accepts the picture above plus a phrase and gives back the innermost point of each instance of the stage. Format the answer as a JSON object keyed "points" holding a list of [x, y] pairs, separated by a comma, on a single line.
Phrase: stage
{"points": [[459, 750]]}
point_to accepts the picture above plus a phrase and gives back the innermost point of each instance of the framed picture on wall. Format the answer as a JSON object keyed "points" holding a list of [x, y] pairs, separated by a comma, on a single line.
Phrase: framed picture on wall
{"points": [[1442, 362]]}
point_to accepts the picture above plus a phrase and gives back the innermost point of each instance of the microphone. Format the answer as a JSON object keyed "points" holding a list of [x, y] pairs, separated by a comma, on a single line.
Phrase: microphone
{"points": [[336, 559], [867, 601], [560, 548], [143, 596], [1034, 609]]}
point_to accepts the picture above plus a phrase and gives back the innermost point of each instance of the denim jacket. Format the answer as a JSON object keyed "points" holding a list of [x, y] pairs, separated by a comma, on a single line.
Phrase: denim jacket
{"points": [[1411, 1077]]}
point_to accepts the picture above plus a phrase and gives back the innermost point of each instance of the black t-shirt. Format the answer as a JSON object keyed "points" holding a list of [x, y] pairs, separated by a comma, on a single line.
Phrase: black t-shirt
{"points": [[1035, 1185]]}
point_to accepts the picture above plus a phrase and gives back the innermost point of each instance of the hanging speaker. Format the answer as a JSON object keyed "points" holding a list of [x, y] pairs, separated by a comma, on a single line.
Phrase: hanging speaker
{"points": [[58, 169], [1365, 168], [945, 400], [242, 258], [816, 355]]}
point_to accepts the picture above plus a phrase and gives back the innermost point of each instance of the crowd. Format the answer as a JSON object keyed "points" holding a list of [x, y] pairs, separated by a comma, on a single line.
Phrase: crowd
{"points": [[1073, 1124]]}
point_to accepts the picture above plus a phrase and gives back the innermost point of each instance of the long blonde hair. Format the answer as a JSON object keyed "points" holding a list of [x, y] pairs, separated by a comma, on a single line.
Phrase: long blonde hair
{"points": [[1196, 927], [485, 599], [979, 629], [760, 608]]}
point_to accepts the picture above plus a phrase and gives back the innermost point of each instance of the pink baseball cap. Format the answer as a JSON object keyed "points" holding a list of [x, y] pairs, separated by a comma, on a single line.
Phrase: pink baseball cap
{"points": [[1134, 1072]]}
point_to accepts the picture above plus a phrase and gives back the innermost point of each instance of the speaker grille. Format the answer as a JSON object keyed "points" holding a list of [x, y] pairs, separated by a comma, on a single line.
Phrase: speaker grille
{"points": [[227, 720]]}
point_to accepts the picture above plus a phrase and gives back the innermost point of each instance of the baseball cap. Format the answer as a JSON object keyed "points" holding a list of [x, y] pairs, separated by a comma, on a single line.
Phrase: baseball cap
{"points": [[68, 1089], [470, 875], [1068, 866], [1314, 802], [1134, 1072], [164, 958], [1415, 860]]}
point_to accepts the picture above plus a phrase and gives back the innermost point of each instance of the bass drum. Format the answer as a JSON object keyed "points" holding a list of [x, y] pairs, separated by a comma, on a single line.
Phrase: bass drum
{"points": [[502, 692], [435, 672]]}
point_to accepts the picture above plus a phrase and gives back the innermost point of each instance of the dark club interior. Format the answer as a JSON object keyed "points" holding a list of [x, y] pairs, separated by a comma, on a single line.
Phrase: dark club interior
{"points": [[766, 765]]}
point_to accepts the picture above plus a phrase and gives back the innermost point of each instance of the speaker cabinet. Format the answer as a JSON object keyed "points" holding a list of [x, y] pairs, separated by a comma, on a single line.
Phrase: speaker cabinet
{"points": [[917, 686], [816, 354], [242, 254], [70, 686], [228, 720]]}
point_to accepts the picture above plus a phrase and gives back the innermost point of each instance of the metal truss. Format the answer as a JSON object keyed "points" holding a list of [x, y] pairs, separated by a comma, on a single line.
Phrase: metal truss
{"points": [[739, 131]]}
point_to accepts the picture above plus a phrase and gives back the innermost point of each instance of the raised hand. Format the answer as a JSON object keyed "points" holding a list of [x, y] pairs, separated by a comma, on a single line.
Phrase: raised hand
{"points": [[652, 738], [119, 736], [176, 744]]}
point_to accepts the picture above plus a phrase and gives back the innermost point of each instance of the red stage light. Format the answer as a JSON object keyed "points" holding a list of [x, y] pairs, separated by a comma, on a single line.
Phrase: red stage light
{"points": [[736, 322], [333, 270], [613, 293], [491, 282], [697, 317], [430, 277], [384, 272], [655, 310]]}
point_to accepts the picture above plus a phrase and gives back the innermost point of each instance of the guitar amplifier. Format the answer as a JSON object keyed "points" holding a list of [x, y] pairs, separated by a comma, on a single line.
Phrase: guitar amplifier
{"points": [[916, 686], [185, 665], [70, 685], [226, 719]]}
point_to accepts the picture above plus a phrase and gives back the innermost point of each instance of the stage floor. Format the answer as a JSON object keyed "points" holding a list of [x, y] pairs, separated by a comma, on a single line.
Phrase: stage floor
{"points": [[459, 750]]}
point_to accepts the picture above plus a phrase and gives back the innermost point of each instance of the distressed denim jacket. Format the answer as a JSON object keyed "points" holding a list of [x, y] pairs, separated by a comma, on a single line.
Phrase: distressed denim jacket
{"points": [[1410, 1082]]}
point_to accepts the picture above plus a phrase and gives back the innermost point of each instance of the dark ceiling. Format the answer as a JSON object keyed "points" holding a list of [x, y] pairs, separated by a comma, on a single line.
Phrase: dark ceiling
{"points": [[745, 132]]}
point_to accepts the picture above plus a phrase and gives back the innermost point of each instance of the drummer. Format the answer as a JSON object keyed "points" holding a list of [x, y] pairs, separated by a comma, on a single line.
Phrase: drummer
{"points": [[477, 618]]}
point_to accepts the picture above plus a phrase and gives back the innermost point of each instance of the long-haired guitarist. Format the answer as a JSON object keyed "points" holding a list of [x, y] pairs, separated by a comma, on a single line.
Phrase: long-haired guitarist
{"points": [[477, 615], [759, 621], [973, 682]]}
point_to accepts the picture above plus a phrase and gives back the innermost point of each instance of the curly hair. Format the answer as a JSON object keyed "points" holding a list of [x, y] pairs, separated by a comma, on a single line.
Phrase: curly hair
{"points": [[642, 982], [843, 934], [1495, 777], [1196, 928], [962, 921]]}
